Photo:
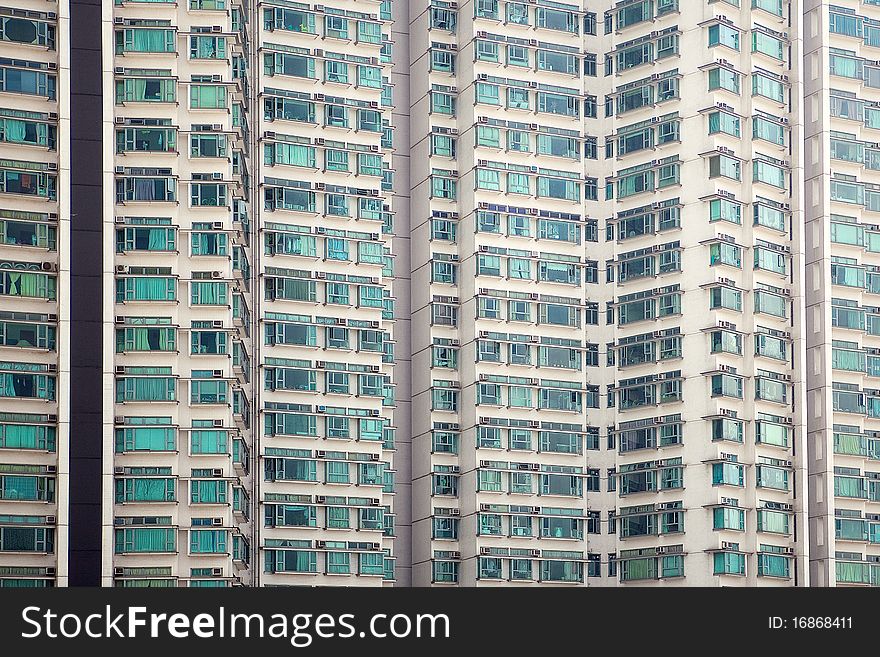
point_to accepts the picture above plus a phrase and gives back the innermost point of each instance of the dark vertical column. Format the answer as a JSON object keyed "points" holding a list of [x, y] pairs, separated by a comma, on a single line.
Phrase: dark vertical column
{"points": [[87, 293]]}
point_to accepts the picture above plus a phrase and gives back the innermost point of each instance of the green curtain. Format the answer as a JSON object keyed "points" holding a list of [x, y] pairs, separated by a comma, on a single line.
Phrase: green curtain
{"points": [[149, 490], [152, 389], [148, 40], [852, 573], [208, 442], [141, 339], [15, 130], [636, 569], [19, 436], [208, 96], [19, 488], [305, 562], [295, 155], [151, 289], [7, 385], [158, 239], [844, 66], [152, 540]]}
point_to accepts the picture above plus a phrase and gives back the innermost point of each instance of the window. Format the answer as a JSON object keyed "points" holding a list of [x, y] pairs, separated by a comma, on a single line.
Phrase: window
{"points": [[441, 145], [768, 45], [442, 61], [724, 35], [557, 62], [722, 78], [488, 93], [486, 9], [336, 27], [517, 56], [442, 103], [726, 254], [335, 71], [767, 87], [556, 19], [725, 166], [518, 98], [724, 122], [207, 47], [722, 209], [517, 13], [206, 96], [486, 51]]}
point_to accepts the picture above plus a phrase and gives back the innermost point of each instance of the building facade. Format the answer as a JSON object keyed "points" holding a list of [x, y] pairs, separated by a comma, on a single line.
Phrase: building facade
{"points": [[434, 293]]}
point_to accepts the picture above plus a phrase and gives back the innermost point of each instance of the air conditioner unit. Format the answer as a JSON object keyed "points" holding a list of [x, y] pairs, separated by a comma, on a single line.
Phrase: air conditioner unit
{"points": [[217, 572], [120, 269], [217, 521], [319, 454], [218, 423], [456, 512], [118, 20], [217, 374], [120, 369], [217, 323], [320, 499], [51, 418], [119, 470], [320, 364], [118, 571], [485, 550], [535, 553], [51, 520], [216, 472], [216, 28]]}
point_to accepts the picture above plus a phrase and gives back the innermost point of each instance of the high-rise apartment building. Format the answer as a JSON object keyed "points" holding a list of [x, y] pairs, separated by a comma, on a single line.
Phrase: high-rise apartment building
{"points": [[385, 293], [841, 117]]}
